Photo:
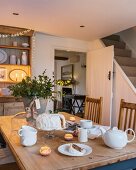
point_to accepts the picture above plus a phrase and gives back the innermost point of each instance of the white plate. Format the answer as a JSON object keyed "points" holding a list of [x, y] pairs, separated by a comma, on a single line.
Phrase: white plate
{"points": [[3, 56], [64, 149]]}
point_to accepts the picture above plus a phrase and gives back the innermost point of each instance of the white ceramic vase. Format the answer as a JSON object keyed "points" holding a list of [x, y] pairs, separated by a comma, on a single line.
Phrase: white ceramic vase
{"points": [[24, 58], [13, 59]]}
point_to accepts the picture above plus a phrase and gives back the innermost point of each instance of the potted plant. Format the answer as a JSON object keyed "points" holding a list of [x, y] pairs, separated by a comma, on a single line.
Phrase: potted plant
{"points": [[36, 90]]}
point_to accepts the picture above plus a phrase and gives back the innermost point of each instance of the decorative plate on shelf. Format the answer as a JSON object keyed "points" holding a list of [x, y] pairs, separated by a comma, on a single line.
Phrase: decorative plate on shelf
{"points": [[3, 56], [17, 75]]}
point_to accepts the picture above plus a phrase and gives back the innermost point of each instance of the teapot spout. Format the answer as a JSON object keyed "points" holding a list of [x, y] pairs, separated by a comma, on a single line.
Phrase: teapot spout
{"points": [[103, 131]]}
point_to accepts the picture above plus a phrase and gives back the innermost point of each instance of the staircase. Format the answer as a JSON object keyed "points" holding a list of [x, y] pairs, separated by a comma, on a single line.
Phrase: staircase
{"points": [[122, 56]]}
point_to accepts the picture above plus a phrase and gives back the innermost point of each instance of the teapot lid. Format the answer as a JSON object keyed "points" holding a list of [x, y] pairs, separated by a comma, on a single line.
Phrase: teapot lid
{"points": [[115, 130]]}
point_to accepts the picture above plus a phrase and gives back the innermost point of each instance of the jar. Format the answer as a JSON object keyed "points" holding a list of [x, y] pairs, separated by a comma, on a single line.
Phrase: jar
{"points": [[13, 59], [24, 58], [15, 43]]}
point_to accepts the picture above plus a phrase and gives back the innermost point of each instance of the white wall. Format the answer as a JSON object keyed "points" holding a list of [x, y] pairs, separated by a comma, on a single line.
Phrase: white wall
{"points": [[129, 37], [122, 90], [44, 51], [43, 57]]}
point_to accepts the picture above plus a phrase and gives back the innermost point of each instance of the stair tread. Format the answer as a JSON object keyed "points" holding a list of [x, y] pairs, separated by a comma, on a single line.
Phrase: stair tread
{"points": [[129, 67], [118, 49], [129, 70], [126, 61], [113, 37], [133, 77], [116, 44], [122, 52], [126, 58], [133, 80]]}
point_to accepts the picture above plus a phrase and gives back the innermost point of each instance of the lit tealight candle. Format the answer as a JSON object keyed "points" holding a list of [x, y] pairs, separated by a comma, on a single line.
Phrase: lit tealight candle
{"points": [[72, 118], [22, 75], [68, 137], [45, 150], [16, 76]]}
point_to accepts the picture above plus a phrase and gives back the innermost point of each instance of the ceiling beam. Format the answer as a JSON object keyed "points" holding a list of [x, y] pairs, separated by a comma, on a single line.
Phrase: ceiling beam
{"points": [[61, 58]]}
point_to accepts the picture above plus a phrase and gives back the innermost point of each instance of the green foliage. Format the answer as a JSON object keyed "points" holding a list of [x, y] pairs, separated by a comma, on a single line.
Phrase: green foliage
{"points": [[40, 87]]}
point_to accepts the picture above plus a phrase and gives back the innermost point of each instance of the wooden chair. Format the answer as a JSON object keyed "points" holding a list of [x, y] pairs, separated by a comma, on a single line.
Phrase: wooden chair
{"points": [[93, 109], [127, 115], [7, 161]]}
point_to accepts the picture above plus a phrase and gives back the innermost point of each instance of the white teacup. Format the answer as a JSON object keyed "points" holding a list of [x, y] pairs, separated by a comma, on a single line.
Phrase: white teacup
{"points": [[86, 123], [28, 135]]}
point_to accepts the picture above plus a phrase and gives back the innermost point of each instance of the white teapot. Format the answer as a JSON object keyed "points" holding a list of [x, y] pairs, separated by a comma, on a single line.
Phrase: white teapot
{"points": [[116, 139], [50, 122]]}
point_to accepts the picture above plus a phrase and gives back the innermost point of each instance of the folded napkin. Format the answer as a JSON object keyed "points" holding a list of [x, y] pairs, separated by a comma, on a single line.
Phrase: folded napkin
{"points": [[95, 131], [71, 126]]}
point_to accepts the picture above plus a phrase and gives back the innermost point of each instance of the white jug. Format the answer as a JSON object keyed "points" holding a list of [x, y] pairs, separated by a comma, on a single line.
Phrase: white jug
{"points": [[82, 135], [28, 135]]}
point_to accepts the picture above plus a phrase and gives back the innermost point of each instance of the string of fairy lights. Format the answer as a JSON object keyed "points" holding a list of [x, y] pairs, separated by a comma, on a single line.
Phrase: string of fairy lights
{"points": [[21, 33], [33, 51]]}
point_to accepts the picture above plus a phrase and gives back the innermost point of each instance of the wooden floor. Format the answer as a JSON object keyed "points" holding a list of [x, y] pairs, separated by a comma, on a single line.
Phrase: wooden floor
{"points": [[10, 166]]}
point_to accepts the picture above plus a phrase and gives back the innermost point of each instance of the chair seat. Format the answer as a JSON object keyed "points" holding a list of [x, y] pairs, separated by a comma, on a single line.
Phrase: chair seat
{"points": [[9, 166]]}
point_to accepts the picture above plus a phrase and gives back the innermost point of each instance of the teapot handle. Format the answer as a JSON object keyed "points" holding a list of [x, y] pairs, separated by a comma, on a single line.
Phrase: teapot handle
{"points": [[133, 135]]}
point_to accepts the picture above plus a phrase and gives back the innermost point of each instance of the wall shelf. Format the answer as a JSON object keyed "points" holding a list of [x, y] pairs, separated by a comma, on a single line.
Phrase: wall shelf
{"points": [[6, 44], [14, 47], [13, 65]]}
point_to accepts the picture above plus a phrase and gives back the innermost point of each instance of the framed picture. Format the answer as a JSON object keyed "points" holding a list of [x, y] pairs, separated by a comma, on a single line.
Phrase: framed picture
{"points": [[67, 72], [3, 74]]}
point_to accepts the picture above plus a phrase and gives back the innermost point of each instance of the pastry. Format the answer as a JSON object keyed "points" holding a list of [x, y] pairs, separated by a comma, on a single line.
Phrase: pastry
{"points": [[76, 150]]}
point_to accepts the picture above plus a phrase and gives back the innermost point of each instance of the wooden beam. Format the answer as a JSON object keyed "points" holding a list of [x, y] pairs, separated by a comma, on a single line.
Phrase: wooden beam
{"points": [[61, 58]]}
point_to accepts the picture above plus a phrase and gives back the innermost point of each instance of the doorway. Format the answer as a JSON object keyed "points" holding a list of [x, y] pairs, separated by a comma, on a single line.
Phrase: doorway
{"points": [[70, 75]]}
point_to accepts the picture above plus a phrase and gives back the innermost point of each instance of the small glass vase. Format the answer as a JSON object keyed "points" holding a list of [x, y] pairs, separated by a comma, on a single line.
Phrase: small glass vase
{"points": [[24, 58]]}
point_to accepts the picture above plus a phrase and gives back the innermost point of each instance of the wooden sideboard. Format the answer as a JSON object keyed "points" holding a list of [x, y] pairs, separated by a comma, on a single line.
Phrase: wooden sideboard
{"points": [[10, 105]]}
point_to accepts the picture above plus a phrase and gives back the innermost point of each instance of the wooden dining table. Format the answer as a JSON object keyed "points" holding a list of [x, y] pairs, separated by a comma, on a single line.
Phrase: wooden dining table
{"points": [[101, 158]]}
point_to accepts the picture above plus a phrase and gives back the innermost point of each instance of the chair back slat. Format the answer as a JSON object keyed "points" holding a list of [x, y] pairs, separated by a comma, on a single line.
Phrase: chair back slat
{"points": [[134, 123], [126, 119], [130, 118], [93, 109], [127, 115]]}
